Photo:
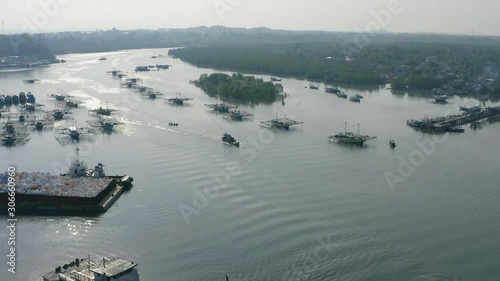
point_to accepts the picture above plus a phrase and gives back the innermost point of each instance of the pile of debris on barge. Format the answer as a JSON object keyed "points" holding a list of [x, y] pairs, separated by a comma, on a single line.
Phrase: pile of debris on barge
{"points": [[80, 191], [86, 269]]}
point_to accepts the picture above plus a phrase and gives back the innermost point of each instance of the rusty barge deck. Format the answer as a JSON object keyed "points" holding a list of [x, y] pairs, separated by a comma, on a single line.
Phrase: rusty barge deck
{"points": [[45, 194]]}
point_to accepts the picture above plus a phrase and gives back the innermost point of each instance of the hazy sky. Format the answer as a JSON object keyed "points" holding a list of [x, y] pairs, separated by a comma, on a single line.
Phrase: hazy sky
{"points": [[438, 16]]}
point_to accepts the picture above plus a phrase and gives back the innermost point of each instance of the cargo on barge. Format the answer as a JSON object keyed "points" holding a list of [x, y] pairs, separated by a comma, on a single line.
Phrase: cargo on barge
{"points": [[80, 191]]}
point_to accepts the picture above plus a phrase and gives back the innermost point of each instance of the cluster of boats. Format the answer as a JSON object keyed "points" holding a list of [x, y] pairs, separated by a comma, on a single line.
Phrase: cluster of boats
{"points": [[452, 123], [65, 99], [22, 98], [227, 110], [157, 67], [338, 93], [134, 83]]}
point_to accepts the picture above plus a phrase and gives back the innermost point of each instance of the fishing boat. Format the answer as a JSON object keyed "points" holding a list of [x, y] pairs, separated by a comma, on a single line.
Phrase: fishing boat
{"points": [[355, 99], [30, 81], [9, 139], [342, 95], [441, 99], [281, 123], [350, 138], [178, 100], [220, 107], [238, 115], [332, 90]]}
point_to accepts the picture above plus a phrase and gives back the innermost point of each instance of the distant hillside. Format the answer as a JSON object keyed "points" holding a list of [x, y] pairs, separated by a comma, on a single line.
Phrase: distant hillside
{"points": [[32, 46], [110, 40]]}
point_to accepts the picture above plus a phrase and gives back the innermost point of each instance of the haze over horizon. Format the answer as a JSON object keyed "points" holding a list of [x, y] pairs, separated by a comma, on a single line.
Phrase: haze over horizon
{"points": [[401, 16]]}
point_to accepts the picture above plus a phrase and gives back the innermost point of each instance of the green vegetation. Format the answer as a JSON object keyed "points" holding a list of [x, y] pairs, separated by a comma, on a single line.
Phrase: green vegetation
{"points": [[33, 47], [419, 66], [296, 60], [238, 87], [23, 51]]}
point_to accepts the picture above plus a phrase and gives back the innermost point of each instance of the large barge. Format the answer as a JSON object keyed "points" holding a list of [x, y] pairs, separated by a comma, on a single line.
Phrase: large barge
{"points": [[89, 270], [78, 192]]}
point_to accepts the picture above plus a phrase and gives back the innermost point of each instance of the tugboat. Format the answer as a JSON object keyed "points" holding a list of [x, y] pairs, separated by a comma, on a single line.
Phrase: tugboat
{"points": [[228, 139], [274, 79], [350, 138], [314, 87]]}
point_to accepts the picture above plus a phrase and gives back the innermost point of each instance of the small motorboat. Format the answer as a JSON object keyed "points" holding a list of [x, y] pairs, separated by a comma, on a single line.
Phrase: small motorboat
{"points": [[392, 143]]}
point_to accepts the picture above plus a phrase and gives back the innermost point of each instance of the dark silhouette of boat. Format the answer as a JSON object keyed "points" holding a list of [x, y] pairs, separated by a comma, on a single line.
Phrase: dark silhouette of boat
{"points": [[228, 139]]}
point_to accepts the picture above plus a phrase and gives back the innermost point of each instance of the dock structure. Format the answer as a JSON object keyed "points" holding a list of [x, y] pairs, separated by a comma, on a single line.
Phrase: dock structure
{"points": [[90, 270], [450, 123]]}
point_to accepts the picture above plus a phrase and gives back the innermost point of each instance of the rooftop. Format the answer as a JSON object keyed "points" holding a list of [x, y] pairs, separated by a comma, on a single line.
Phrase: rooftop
{"points": [[113, 267]]}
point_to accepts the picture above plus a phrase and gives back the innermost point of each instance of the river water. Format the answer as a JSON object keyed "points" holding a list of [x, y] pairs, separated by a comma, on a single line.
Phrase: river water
{"points": [[286, 205]]}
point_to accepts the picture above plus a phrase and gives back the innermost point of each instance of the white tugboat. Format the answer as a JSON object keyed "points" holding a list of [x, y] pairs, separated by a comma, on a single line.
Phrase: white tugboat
{"points": [[88, 270]]}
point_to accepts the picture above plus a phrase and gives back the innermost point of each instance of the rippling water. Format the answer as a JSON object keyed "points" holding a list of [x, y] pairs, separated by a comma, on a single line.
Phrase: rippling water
{"points": [[295, 207]]}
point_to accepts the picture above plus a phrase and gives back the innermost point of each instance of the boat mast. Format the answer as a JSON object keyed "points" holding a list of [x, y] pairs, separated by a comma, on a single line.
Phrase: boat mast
{"points": [[358, 129], [345, 128]]}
